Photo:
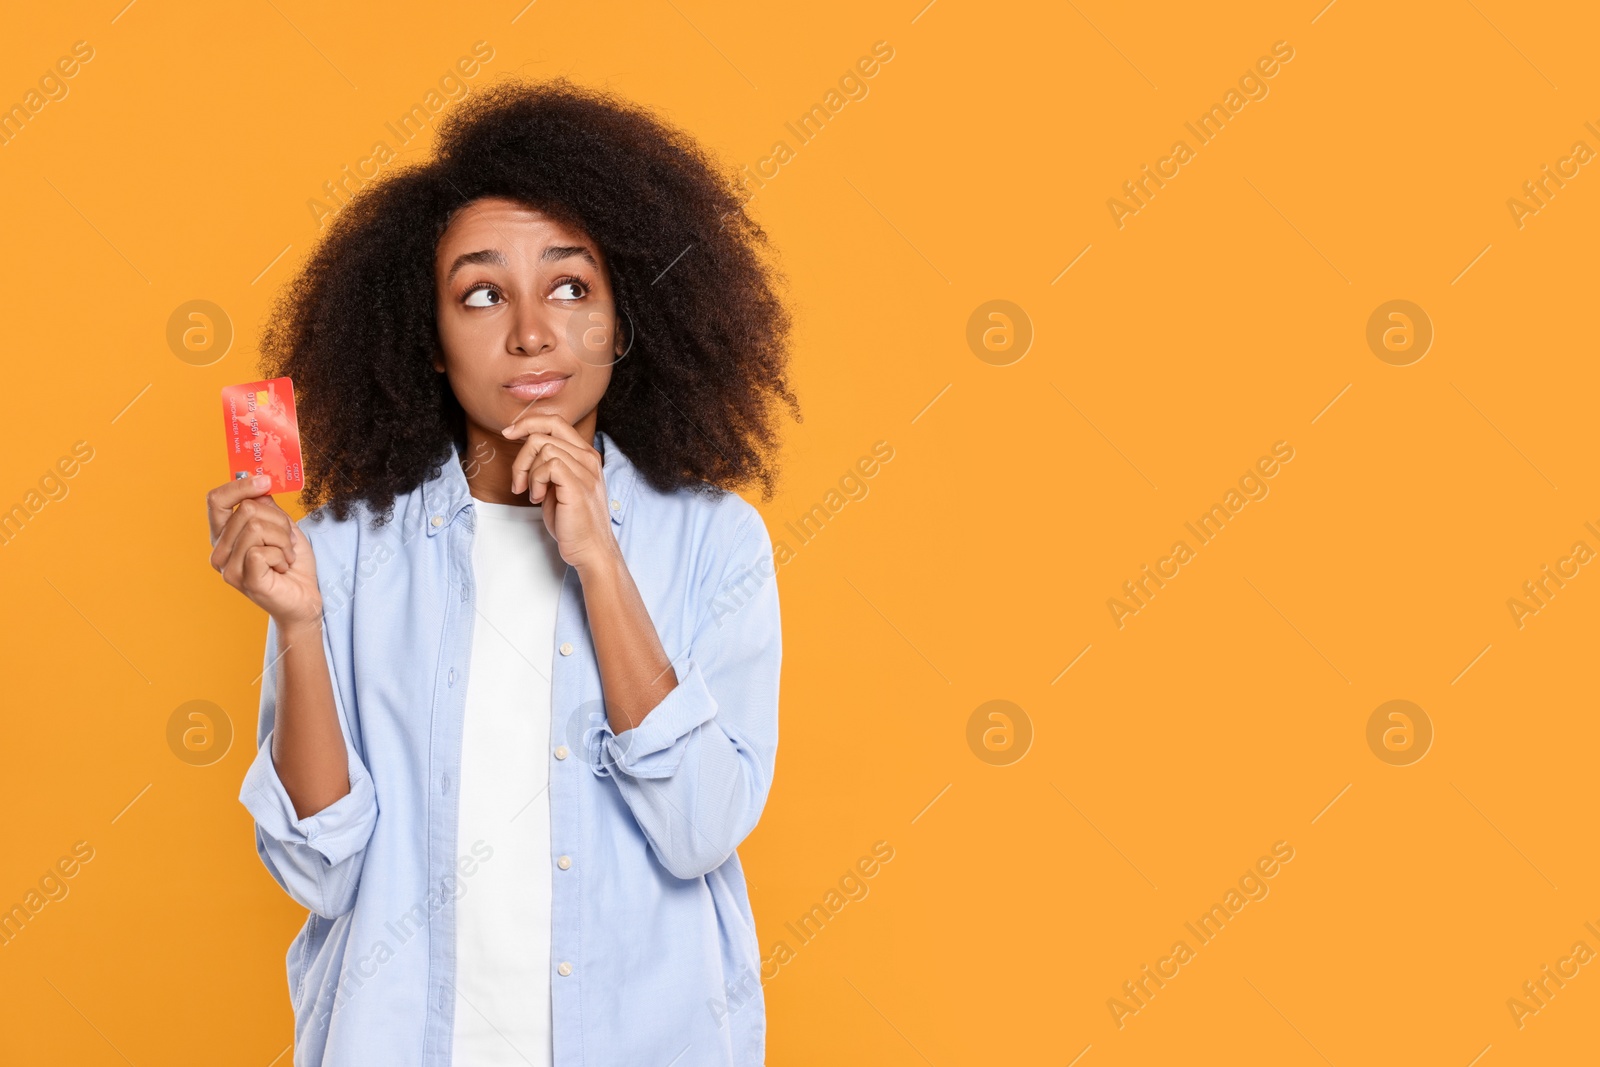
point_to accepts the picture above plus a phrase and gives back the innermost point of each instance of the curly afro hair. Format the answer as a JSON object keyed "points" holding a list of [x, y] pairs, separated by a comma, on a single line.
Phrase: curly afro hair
{"points": [[693, 402]]}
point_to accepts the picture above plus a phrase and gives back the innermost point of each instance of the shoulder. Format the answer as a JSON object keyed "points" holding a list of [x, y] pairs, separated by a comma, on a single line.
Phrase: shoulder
{"points": [[695, 541], [329, 535], [341, 544], [706, 549], [353, 552], [716, 521]]}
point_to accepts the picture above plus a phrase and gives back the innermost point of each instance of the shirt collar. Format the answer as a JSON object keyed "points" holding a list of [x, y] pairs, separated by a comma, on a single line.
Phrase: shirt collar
{"points": [[445, 496]]}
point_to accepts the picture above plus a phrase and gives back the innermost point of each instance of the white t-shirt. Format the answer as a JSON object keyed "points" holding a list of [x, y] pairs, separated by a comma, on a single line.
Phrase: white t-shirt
{"points": [[503, 917]]}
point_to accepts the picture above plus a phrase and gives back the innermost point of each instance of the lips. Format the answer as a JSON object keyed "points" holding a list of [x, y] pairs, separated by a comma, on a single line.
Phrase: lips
{"points": [[538, 386]]}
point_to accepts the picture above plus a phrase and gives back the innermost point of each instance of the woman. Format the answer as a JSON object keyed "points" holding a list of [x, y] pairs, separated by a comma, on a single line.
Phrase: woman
{"points": [[520, 703]]}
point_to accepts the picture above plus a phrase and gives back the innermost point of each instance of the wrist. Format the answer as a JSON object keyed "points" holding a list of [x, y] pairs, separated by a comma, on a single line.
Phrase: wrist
{"points": [[603, 567], [295, 631]]}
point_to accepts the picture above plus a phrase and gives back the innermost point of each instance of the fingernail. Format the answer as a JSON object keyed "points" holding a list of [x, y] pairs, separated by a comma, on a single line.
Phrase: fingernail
{"points": [[261, 481]]}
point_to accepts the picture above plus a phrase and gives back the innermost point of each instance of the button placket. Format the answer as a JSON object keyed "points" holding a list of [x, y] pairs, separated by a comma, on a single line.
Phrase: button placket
{"points": [[564, 683], [447, 708]]}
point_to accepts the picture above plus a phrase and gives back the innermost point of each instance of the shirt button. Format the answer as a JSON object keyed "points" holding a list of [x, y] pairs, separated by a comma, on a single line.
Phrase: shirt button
{"points": [[566, 648], [452, 676], [444, 784], [564, 862], [616, 505], [438, 520], [565, 969], [561, 752]]}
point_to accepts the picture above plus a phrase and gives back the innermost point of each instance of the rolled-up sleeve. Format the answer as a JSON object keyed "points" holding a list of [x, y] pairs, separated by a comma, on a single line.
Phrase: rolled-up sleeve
{"points": [[697, 769], [318, 859]]}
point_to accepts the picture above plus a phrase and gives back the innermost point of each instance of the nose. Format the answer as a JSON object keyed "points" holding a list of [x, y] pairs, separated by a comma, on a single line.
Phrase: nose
{"points": [[532, 332]]}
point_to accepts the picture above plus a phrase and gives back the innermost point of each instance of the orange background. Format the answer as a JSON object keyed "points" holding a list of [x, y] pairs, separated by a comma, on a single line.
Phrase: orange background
{"points": [[1228, 314]]}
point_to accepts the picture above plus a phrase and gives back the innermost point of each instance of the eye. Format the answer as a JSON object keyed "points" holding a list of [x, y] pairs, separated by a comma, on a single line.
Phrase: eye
{"points": [[566, 284], [481, 289]]}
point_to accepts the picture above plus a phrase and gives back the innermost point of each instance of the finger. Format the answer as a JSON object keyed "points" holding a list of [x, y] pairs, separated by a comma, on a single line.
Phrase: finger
{"points": [[554, 425], [234, 568], [254, 524], [273, 512], [539, 447], [525, 459], [221, 501], [296, 535], [222, 544], [258, 561], [560, 475]]}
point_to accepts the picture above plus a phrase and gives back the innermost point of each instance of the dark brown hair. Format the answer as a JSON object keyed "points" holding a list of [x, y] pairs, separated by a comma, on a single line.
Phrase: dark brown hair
{"points": [[692, 404]]}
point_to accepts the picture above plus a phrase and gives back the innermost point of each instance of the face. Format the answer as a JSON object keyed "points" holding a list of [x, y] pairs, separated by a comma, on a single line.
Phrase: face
{"points": [[526, 317]]}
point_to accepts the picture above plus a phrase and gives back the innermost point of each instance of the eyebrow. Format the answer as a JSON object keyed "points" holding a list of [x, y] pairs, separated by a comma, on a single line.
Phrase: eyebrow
{"points": [[494, 256]]}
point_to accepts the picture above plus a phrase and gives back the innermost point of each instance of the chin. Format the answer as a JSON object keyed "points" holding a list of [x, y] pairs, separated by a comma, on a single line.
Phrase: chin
{"points": [[518, 409]]}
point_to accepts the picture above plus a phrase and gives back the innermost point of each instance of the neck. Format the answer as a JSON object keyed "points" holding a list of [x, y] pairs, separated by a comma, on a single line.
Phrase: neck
{"points": [[489, 455]]}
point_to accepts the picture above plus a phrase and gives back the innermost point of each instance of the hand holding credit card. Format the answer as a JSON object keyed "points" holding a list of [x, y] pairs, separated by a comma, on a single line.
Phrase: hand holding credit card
{"points": [[263, 435]]}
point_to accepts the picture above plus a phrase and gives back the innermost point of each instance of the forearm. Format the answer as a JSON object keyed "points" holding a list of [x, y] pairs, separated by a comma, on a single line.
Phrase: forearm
{"points": [[307, 744], [635, 671], [695, 773]]}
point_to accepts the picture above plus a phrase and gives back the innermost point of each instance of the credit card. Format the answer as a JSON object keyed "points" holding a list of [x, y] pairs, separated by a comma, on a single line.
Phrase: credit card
{"points": [[263, 433]]}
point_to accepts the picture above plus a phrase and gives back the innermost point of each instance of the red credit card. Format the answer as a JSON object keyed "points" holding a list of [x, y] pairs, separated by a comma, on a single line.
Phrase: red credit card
{"points": [[263, 434]]}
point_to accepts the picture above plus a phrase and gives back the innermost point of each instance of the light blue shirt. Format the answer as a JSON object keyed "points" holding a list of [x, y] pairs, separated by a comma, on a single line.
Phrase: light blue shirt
{"points": [[654, 958]]}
